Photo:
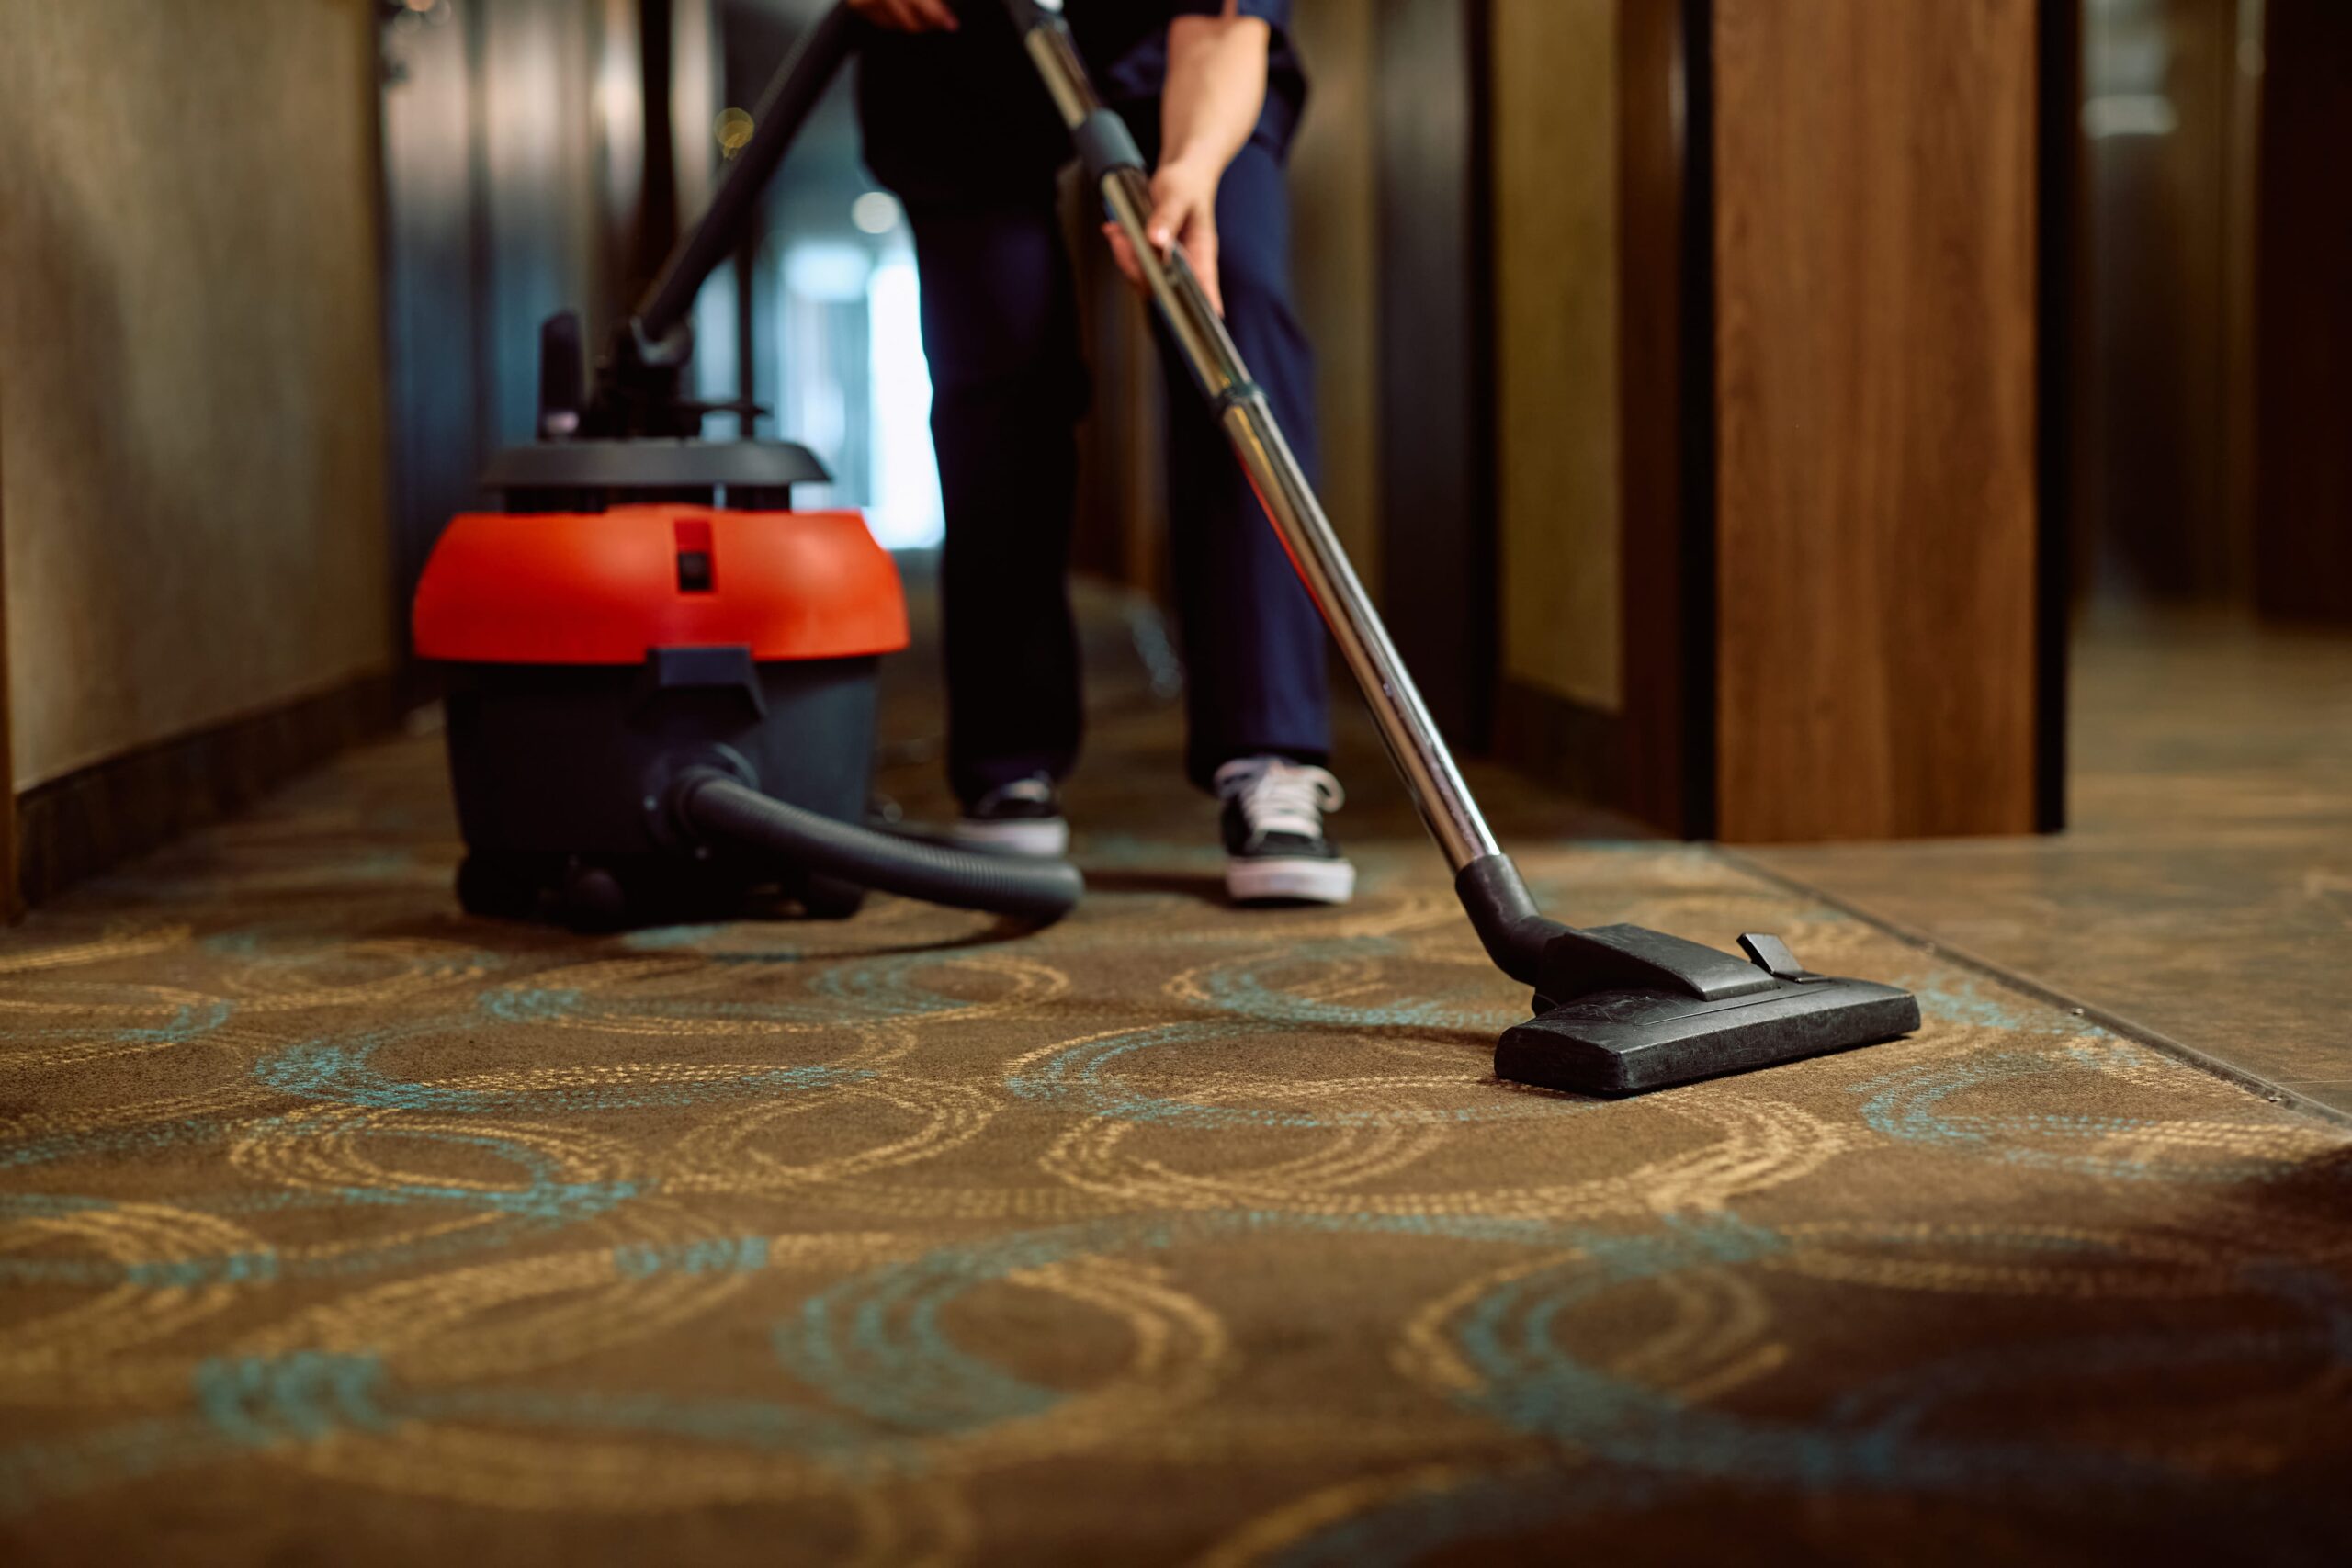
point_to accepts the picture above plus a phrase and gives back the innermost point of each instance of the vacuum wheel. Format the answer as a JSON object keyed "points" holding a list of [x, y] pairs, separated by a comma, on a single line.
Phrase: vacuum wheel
{"points": [[829, 898], [499, 887], [505, 887], [595, 899], [600, 895]]}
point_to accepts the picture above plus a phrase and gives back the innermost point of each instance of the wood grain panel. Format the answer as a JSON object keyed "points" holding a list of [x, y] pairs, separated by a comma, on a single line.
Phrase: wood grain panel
{"points": [[10, 905], [1624, 354], [1874, 292], [1666, 194], [1554, 118]]}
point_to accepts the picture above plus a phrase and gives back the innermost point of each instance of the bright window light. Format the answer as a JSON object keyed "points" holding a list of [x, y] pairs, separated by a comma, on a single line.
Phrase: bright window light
{"points": [[904, 509], [855, 389]]}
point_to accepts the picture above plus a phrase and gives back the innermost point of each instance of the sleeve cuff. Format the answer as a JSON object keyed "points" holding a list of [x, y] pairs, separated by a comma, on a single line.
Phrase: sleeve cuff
{"points": [[1275, 14]]}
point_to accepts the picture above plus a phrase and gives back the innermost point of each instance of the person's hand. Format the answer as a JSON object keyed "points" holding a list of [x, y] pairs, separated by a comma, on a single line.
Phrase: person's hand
{"points": [[906, 15], [1183, 212]]}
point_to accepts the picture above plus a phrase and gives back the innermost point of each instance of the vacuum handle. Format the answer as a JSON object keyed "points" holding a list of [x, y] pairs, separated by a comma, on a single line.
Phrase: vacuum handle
{"points": [[1239, 403], [791, 94]]}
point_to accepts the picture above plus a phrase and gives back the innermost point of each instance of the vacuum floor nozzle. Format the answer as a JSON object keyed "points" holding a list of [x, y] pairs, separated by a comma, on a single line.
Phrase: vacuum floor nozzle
{"points": [[1625, 1042]]}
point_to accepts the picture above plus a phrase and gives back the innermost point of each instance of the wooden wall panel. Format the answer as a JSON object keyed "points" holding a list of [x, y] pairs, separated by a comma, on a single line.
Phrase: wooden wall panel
{"points": [[2304, 423], [1555, 115], [9, 906], [1874, 294], [1665, 284], [1604, 402]]}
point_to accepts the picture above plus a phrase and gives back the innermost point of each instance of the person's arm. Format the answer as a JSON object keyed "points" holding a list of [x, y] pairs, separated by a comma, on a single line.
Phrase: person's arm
{"points": [[1217, 85]]}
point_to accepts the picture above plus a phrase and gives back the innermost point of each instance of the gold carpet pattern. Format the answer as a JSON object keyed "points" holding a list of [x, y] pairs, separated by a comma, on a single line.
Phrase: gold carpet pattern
{"points": [[336, 1226]]}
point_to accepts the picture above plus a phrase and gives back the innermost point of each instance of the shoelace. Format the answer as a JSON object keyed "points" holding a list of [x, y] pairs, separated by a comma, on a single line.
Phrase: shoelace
{"points": [[1278, 796]]}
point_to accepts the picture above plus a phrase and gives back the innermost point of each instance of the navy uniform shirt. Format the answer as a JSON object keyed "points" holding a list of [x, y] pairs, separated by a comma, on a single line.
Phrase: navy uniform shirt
{"points": [[962, 119]]}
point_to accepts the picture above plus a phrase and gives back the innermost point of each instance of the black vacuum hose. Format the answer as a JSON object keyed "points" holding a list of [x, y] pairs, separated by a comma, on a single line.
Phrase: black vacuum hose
{"points": [[707, 801]]}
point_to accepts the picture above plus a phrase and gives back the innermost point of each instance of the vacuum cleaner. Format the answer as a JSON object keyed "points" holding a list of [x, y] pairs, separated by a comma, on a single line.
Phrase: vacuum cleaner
{"points": [[1618, 1010], [661, 678]]}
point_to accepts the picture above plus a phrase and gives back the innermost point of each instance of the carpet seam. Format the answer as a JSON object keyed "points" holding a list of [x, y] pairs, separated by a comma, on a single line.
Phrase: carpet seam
{"points": [[2044, 991]]}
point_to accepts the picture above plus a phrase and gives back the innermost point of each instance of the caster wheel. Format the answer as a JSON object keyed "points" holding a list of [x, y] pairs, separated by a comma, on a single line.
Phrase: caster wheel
{"points": [[829, 898], [498, 887], [593, 900]]}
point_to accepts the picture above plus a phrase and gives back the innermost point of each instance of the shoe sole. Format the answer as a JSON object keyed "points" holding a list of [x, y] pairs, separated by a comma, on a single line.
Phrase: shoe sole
{"points": [[1038, 838], [1290, 881]]}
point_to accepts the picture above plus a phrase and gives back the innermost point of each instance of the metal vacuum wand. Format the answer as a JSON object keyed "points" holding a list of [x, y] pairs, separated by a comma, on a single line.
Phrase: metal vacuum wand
{"points": [[1514, 932], [1114, 164], [1620, 1008]]}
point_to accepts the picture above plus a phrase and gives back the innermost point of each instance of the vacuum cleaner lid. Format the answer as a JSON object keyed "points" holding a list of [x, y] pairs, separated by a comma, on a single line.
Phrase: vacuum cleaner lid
{"points": [[647, 463], [604, 587]]}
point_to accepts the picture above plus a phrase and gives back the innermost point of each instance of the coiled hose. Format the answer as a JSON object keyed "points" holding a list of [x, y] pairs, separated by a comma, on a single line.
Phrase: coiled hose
{"points": [[706, 801]]}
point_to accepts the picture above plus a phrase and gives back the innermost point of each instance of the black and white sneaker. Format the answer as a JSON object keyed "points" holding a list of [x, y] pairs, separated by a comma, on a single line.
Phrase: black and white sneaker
{"points": [[1023, 817], [1274, 847]]}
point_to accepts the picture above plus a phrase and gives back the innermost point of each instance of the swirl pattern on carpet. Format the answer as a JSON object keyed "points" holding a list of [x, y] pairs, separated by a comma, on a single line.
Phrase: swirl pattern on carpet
{"points": [[333, 1223]]}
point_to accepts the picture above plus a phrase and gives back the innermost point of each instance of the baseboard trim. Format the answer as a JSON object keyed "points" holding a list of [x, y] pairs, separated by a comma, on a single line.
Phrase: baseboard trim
{"points": [[85, 821], [1562, 742]]}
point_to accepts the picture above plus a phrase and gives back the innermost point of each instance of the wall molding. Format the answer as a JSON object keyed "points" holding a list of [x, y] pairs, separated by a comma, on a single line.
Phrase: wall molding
{"points": [[95, 817], [1562, 741]]}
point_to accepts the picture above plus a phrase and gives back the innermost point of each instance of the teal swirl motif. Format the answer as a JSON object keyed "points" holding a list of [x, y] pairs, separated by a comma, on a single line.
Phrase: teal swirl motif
{"points": [[344, 1073], [1086, 1076]]}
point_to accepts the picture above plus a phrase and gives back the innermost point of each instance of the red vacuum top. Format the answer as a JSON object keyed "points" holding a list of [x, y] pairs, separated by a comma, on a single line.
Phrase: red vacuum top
{"points": [[604, 587]]}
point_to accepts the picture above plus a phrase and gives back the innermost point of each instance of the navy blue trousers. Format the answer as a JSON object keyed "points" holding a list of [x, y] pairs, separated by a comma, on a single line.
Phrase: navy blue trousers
{"points": [[999, 328]]}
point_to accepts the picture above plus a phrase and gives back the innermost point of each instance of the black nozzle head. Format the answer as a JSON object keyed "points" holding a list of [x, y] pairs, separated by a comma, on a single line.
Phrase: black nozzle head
{"points": [[1625, 1042], [1623, 1008]]}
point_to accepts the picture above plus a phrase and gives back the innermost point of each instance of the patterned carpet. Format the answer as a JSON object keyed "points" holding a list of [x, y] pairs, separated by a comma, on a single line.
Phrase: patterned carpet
{"points": [[341, 1227]]}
